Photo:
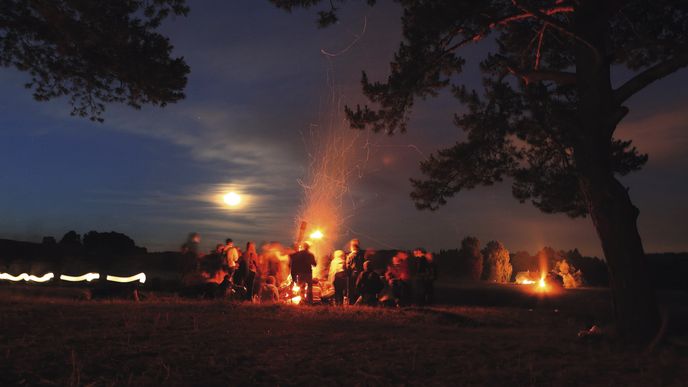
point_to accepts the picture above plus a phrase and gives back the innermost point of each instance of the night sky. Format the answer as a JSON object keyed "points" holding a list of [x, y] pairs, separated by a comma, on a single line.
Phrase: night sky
{"points": [[258, 82]]}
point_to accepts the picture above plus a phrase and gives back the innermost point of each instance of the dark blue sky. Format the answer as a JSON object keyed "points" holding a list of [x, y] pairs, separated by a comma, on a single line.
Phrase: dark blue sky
{"points": [[259, 81]]}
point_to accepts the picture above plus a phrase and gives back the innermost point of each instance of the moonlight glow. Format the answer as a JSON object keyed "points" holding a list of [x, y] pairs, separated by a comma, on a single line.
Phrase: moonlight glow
{"points": [[232, 199]]}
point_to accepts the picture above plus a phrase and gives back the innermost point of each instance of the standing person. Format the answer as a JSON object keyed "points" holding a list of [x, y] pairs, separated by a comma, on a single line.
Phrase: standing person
{"points": [[397, 276], [231, 256], [271, 259], [212, 265], [418, 270], [337, 276], [250, 258], [301, 265], [354, 266], [192, 244], [430, 274], [189, 265], [241, 273], [369, 285]]}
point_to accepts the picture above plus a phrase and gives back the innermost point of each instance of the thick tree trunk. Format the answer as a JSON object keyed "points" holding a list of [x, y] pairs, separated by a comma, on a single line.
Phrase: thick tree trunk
{"points": [[614, 218], [613, 214]]}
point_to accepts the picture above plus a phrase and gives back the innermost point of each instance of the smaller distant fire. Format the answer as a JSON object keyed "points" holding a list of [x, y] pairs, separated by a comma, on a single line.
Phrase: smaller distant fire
{"points": [[542, 284], [539, 284]]}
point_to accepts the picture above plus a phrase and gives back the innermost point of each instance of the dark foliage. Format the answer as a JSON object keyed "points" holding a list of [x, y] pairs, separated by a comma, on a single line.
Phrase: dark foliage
{"points": [[70, 244], [326, 16], [93, 52], [464, 263], [110, 244], [496, 263], [472, 257], [523, 125], [669, 270]]}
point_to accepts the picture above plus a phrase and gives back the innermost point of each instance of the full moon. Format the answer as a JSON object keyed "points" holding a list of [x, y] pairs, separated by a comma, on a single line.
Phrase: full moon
{"points": [[232, 199]]}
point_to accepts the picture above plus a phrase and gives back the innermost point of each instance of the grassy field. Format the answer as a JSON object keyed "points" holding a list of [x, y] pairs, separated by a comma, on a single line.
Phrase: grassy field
{"points": [[516, 339]]}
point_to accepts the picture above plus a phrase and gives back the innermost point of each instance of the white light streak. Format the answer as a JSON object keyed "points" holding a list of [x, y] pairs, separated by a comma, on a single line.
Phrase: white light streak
{"points": [[88, 277], [141, 277]]}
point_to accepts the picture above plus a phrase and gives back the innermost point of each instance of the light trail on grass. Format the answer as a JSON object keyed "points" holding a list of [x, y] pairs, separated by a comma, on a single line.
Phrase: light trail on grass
{"points": [[141, 277], [88, 277], [27, 277]]}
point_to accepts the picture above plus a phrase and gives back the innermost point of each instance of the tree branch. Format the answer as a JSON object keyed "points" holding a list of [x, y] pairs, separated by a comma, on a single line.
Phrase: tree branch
{"points": [[548, 19], [501, 22], [560, 77], [646, 77]]}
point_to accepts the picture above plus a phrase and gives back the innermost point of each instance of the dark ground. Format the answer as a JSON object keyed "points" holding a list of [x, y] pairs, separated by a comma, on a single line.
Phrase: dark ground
{"points": [[491, 335]]}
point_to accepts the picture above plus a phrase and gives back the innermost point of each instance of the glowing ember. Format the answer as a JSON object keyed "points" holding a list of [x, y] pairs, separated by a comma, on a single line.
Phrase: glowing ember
{"points": [[317, 234], [27, 277], [337, 159], [295, 294], [88, 277], [526, 282], [141, 277]]}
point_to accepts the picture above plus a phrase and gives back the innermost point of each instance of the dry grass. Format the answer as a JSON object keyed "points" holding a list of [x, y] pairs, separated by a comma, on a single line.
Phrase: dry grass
{"points": [[178, 342]]}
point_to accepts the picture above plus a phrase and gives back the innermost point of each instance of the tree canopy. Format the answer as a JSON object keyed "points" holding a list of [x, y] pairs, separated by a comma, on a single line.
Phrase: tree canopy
{"points": [[93, 52], [525, 123], [547, 113]]}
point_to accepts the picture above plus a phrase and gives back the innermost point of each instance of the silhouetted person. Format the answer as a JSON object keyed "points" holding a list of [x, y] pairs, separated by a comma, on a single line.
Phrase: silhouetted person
{"points": [[250, 257], [192, 244], [398, 277], [241, 274], [189, 266], [369, 285], [354, 266], [337, 276], [425, 277], [270, 259], [414, 264], [301, 266]]}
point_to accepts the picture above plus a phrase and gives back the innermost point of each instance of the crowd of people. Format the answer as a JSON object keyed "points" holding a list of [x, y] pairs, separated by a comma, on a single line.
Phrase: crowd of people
{"points": [[349, 277]]}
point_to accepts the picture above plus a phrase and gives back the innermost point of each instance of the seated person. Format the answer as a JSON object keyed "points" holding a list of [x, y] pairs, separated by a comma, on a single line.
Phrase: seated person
{"points": [[269, 293]]}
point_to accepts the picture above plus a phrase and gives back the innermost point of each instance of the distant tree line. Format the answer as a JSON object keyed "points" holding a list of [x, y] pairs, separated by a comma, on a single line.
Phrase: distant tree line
{"points": [[98, 251], [495, 263], [94, 251]]}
